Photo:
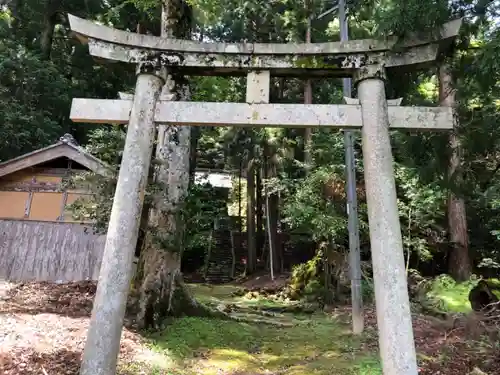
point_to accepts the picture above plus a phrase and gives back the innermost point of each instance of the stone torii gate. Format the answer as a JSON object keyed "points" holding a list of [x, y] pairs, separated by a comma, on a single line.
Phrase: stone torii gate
{"points": [[365, 60]]}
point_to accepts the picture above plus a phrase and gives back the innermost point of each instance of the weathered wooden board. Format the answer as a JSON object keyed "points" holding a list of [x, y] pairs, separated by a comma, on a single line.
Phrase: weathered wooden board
{"points": [[49, 251]]}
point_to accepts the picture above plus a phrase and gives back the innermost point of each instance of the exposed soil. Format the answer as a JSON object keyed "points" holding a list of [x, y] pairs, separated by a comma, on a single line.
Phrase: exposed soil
{"points": [[455, 346], [263, 282], [43, 328]]}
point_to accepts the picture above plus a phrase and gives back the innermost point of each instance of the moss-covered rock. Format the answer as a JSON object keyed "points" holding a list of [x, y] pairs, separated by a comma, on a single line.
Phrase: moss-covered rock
{"points": [[485, 294]]}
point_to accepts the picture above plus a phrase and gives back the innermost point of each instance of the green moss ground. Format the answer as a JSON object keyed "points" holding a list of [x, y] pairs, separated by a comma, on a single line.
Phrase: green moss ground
{"points": [[317, 344], [302, 344], [453, 297]]}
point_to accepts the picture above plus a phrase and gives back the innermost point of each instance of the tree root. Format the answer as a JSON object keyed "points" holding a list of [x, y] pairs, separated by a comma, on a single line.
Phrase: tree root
{"points": [[235, 313], [219, 313], [241, 319]]}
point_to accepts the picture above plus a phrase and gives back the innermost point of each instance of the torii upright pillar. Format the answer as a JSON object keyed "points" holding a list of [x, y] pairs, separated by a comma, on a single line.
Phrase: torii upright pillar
{"points": [[116, 268], [391, 292]]}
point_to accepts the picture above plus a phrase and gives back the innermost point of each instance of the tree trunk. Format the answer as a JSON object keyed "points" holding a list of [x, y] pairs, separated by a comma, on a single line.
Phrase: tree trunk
{"points": [[252, 251], [272, 209], [193, 155], [49, 23], [274, 203], [308, 99], [258, 211], [240, 196], [459, 265], [162, 291], [307, 131], [270, 236], [15, 8]]}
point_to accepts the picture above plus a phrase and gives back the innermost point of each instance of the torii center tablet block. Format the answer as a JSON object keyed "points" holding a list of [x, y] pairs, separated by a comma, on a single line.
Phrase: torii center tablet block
{"points": [[365, 60]]}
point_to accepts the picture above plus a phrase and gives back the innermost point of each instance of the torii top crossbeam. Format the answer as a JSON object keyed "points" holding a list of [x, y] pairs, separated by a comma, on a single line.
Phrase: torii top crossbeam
{"points": [[335, 59]]}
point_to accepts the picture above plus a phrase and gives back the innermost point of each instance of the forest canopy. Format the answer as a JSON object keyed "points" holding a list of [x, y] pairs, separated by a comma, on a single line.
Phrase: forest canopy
{"points": [[293, 179]]}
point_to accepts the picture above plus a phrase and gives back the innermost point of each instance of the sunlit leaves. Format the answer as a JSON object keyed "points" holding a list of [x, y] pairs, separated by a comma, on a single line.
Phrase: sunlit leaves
{"points": [[310, 210], [392, 17]]}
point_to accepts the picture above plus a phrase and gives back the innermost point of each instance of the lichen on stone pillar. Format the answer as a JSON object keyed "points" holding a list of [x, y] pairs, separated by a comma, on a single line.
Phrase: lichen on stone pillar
{"points": [[374, 71], [103, 338], [397, 347]]}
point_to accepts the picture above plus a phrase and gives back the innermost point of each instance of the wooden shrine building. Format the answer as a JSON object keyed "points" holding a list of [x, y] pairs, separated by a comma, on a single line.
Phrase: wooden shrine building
{"points": [[39, 239]]}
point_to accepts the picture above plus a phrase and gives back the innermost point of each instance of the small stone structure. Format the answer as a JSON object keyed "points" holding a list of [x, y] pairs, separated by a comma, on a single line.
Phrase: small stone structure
{"points": [[365, 60]]}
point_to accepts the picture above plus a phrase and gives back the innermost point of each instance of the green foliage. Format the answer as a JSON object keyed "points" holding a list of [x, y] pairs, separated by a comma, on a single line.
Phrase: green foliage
{"points": [[107, 145], [202, 208], [421, 210], [368, 290], [369, 366], [310, 210], [488, 263], [495, 204], [33, 94], [38, 81], [403, 19]]}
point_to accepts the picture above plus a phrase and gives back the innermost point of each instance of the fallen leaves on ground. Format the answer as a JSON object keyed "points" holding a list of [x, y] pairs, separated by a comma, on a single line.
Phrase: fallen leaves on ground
{"points": [[44, 326], [446, 347], [456, 346]]}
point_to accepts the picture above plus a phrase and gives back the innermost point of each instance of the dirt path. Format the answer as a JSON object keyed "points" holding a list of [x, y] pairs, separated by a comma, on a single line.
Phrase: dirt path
{"points": [[43, 328]]}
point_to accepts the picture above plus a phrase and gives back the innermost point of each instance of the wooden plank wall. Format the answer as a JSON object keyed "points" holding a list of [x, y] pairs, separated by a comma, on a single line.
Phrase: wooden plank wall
{"points": [[49, 251]]}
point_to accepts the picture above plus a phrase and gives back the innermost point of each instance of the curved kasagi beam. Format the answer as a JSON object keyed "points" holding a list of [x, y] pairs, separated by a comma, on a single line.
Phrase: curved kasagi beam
{"points": [[88, 29], [334, 59], [331, 65]]}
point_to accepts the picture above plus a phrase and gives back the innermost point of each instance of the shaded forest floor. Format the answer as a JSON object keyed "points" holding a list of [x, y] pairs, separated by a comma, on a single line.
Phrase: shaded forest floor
{"points": [[43, 328]]}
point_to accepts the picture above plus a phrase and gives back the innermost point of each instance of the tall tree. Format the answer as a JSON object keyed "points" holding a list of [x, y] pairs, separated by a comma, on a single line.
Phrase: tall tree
{"points": [[251, 224], [459, 260], [162, 289], [308, 91]]}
